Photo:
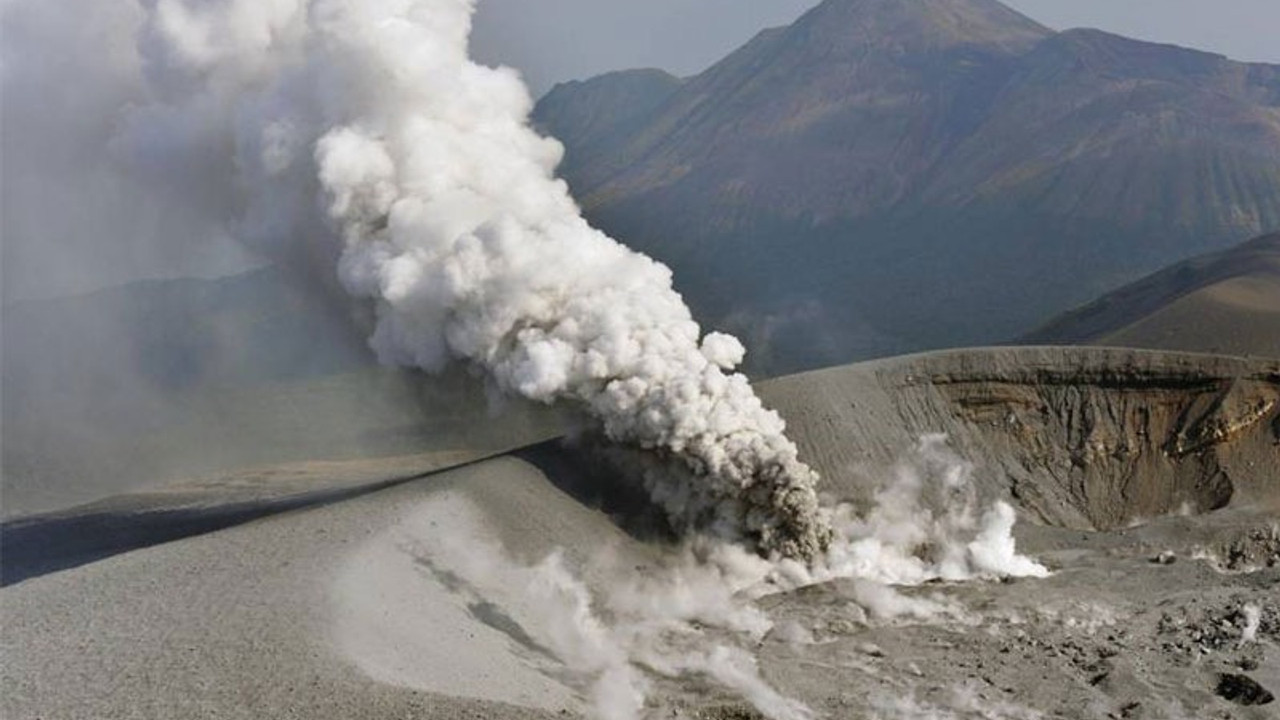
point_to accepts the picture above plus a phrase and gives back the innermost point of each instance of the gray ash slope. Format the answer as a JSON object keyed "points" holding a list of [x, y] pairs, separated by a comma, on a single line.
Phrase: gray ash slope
{"points": [[943, 173], [1114, 458], [1224, 302]]}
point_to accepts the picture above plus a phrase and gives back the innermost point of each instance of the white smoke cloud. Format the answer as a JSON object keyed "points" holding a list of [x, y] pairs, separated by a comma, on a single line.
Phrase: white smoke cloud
{"points": [[357, 134], [926, 523], [621, 631], [325, 132], [960, 702], [617, 632], [363, 126], [1252, 622]]}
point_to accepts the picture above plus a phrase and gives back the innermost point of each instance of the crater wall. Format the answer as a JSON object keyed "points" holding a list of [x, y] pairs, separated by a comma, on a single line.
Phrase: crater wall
{"points": [[1090, 438]]}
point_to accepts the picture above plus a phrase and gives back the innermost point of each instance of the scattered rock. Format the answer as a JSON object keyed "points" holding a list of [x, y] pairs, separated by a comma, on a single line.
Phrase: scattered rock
{"points": [[729, 712], [871, 649], [1168, 557], [1242, 690], [841, 626], [1251, 551], [1216, 628]]}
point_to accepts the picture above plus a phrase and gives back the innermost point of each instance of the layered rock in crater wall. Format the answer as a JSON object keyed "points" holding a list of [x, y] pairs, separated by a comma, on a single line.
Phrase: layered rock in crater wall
{"points": [[1091, 438]]}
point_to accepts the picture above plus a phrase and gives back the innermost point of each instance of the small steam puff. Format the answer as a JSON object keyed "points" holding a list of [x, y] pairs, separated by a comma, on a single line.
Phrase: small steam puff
{"points": [[451, 221], [926, 525]]}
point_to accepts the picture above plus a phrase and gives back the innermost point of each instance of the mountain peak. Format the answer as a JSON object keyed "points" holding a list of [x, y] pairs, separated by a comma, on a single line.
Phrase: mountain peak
{"points": [[921, 24]]}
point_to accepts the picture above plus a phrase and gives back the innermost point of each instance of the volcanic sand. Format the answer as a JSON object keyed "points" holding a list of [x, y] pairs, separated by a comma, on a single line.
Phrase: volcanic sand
{"points": [[1240, 316], [1225, 302], [283, 616], [335, 606]]}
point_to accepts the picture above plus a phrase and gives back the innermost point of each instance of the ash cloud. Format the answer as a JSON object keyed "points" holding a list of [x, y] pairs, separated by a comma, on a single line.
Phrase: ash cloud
{"points": [[360, 136], [357, 141], [362, 131], [75, 220]]}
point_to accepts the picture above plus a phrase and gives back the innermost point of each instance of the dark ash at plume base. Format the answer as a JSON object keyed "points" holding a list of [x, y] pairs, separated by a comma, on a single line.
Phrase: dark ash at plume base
{"points": [[796, 529], [773, 512]]}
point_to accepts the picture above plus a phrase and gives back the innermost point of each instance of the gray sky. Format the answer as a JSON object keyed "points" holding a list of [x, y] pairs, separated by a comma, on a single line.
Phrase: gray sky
{"points": [[554, 40], [53, 141], [1240, 29]]}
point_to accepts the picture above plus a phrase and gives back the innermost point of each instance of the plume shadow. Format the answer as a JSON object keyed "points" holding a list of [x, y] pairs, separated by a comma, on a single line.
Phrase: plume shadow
{"points": [[578, 467], [43, 544]]}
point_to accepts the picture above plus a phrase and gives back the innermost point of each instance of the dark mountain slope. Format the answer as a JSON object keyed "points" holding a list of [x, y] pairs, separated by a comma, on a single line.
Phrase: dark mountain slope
{"points": [[596, 111], [886, 175], [1226, 302], [1096, 126], [778, 122]]}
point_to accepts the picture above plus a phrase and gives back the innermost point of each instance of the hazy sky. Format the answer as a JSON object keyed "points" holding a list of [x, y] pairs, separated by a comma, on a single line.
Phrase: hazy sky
{"points": [[554, 40], [1240, 29], [68, 212]]}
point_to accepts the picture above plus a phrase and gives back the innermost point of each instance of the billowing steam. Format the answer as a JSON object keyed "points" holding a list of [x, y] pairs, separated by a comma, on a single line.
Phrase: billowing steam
{"points": [[364, 121], [357, 133], [620, 629]]}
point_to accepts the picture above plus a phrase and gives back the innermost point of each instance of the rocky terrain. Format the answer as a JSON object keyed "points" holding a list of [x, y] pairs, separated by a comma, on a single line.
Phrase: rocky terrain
{"points": [[885, 176], [1110, 635], [1225, 302], [1082, 438], [1145, 482]]}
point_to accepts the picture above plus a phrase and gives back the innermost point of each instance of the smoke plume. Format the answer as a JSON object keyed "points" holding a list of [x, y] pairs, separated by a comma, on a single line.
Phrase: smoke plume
{"points": [[356, 135], [363, 125], [622, 626]]}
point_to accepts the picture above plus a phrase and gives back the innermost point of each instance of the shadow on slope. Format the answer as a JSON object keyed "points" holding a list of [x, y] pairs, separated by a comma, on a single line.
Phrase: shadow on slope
{"points": [[1225, 302], [1084, 438], [42, 544]]}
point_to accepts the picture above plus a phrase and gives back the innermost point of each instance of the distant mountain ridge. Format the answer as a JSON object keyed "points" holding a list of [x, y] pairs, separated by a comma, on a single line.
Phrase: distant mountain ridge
{"points": [[159, 380], [893, 175], [1224, 302]]}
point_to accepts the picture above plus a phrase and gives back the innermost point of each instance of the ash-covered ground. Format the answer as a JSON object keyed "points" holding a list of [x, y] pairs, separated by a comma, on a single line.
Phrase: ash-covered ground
{"points": [[1148, 483], [1139, 623], [501, 589]]}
